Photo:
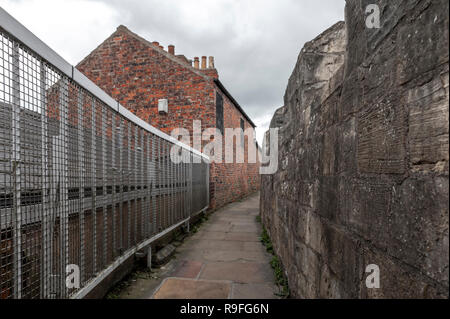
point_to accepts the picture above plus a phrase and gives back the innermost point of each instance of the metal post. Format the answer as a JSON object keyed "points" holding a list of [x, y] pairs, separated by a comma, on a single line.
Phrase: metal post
{"points": [[153, 184], [142, 174], [121, 182], [164, 172], [160, 186], [82, 182], [183, 185], [46, 252], [208, 167], [135, 182], [128, 186], [149, 257], [16, 173], [173, 189], [148, 182], [114, 172], [169, 185], [104, 186], [64, 191], [93, 187]]}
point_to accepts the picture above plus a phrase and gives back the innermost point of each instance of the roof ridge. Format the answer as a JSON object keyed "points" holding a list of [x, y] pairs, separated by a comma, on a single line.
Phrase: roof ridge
{"points": [[162, 51]]}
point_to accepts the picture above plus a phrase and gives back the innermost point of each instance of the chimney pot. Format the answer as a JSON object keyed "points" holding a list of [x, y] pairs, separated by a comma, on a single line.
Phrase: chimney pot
{"points": [[203, 62], [172, 49], [211, 62], [161, 47], [156, 43], [196, 62]]}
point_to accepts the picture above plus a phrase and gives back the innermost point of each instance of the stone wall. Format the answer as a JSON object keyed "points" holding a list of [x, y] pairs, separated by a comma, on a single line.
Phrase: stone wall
{"points": [[363, 176]]}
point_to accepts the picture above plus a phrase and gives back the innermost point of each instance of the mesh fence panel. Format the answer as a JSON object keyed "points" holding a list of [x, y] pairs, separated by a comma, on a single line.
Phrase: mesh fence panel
{"points": [[79, 182]]}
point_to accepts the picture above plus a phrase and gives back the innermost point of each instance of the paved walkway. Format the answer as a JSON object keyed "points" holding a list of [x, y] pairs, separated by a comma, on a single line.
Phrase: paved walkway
{"points": [[224, 259]]}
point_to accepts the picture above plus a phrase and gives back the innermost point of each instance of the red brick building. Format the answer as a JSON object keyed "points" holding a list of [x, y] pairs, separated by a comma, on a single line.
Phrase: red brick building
{"points": [[138, 74]]}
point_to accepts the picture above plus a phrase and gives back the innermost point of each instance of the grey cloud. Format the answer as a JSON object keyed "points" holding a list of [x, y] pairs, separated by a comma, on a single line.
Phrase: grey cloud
{"points": [[256, 43]]}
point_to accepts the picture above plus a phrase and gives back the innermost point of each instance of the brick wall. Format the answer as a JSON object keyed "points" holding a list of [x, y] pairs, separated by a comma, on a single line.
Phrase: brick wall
{"points": [[233, 181], [138, 73]]}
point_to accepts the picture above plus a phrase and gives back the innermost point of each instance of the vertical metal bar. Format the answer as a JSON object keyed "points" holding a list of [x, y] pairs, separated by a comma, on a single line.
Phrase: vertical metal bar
{"points": [[180, 207], [164, 172], [142, 171], [121, 183], [177, 191], [45, 256], [159, 174], [183, 186], [145, 184], [114, 175], [64, 197], [15, 167], [82, 181], [104, 186], [162, 183], [153, 184], [93, 187], [168, 186], [170, 191], [135, 182], [208, 167], [172, 182], [172, 186], [129, 129], [190, 185], [148, 182]]}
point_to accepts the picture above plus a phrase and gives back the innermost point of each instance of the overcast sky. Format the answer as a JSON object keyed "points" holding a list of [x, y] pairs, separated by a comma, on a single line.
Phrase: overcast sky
{"points": [[255, 42]]}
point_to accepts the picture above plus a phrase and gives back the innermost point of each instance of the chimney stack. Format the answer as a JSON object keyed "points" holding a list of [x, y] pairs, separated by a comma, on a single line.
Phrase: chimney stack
{"points": [[156, 43], [203, 62], [172, 49], [196, 62], [211, 62]]}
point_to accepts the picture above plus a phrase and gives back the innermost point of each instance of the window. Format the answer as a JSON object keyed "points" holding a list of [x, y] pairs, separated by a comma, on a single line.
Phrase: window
{"points": [[242, 133], [219, 112]]}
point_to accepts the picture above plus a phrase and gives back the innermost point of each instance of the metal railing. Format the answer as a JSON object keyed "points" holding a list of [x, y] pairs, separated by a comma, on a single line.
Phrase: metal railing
{"points": [[82, 180]]}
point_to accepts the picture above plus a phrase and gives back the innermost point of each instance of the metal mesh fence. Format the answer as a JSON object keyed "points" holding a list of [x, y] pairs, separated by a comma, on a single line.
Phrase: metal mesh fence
{"points": [[80, 183]]}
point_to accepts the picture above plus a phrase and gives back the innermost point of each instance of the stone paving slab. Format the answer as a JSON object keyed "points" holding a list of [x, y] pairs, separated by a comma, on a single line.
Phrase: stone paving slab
{"points": [[225, 245], [188, 269], [238, 272], [182, 288], [211, 235], [254, 229], [245, 237], [253, 291], [224, 256]]}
